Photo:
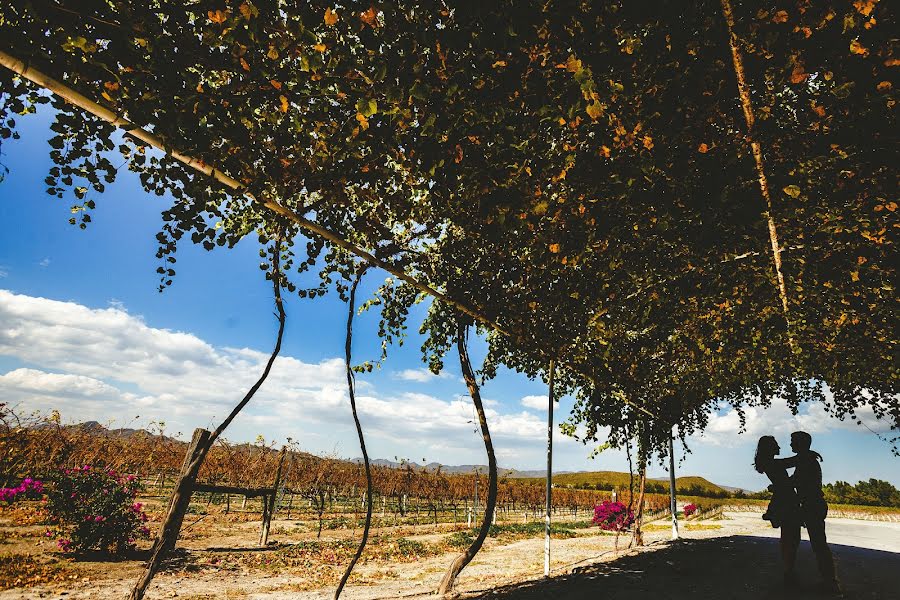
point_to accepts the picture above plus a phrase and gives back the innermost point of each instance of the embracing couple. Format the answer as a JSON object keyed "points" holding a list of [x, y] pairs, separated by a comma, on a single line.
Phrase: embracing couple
{"points": [[797, 501]]}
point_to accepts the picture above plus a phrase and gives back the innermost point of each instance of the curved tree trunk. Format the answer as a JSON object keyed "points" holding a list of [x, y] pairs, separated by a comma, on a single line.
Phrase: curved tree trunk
{"points": [[169, 530], [351, 387], [460, 562]]}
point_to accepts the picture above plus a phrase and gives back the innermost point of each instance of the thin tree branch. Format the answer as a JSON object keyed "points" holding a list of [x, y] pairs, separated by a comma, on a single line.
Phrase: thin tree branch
{"points": [[351, 387], [746, 103]]}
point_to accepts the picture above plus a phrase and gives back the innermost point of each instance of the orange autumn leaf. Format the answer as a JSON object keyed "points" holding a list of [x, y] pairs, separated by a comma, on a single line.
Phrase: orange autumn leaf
{"points": [[799, 74], [319, 47], [217, 16], [648, 142], [554, 248], [370, 17], [284, 103], [865, 7], [275, 84], [573, 65], [819, 110], [330, 17], [595, 109], [703, 148], [857, 48], [780, 17], [244, 64], [246, 10], [459, 154], [884, 86]]}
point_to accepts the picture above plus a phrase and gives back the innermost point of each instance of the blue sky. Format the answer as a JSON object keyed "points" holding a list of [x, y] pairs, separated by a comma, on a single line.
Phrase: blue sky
{"points": [[84, 330]]}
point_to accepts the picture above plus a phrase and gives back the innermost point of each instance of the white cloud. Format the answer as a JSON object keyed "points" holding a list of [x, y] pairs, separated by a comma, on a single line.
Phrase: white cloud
{"points": [[421, 375], [102, 364], [535, 402], [44, 263], [3, 272], [777, 420]]}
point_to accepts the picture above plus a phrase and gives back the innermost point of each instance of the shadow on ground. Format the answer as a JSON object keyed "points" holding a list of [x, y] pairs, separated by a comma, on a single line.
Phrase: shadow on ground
{"points": [[738, 567]]}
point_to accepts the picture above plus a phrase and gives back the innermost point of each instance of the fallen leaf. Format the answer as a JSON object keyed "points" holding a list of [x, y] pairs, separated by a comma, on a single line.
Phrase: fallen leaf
{"points": [[884, 86], [703, 148], [330, 17], [554, 248], [780, 17], [284, 103]]}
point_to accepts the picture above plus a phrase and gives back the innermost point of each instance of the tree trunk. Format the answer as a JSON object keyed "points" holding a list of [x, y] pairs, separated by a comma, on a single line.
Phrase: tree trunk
{"points": [[351, 385], [463, 559]]}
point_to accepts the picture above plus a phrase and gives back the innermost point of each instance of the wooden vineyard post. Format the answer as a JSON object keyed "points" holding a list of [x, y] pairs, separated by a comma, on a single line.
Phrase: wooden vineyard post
{"points": [[269, 503], [178, 505]]}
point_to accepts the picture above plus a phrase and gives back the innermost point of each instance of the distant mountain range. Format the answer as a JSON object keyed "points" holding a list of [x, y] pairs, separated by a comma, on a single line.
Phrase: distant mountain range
{"points": [[455, 469]]}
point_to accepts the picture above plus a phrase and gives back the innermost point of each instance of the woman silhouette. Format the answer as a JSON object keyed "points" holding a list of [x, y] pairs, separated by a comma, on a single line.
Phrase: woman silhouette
{"points": [[784, 507]]}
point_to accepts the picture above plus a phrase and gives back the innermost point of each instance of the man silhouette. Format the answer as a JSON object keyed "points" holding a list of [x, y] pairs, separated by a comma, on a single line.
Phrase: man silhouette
{"points": [[807, 479]]}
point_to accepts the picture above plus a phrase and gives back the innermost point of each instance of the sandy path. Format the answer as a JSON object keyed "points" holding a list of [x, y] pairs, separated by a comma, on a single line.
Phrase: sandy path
{"points": [[737, 560]]}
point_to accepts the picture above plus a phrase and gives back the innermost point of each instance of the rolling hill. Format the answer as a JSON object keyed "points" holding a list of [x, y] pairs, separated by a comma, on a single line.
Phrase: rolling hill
{"points": [[614, 479]]}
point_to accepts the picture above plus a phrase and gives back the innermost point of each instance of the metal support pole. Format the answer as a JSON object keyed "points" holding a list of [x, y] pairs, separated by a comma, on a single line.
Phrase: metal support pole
{"points": [[549, 471], [672, 485]]}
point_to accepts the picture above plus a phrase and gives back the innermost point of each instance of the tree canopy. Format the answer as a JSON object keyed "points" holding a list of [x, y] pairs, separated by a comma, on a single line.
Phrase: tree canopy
{"points": [[578, 175]]}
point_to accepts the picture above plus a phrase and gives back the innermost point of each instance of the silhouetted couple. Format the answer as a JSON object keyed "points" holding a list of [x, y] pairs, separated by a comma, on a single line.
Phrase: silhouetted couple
{"points": [[797, 501]]}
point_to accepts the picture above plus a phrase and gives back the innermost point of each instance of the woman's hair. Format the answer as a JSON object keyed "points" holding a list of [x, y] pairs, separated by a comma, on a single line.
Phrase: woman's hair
{"points": [[766, 449]]}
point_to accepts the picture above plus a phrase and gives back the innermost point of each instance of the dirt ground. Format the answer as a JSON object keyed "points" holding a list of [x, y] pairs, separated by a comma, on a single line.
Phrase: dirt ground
{"points": [[735, 557]]}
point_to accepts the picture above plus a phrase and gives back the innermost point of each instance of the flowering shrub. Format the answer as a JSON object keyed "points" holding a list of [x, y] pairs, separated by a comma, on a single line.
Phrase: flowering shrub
{"points": [[94, 509], [31, 489], [612, 516], [690, 509]]}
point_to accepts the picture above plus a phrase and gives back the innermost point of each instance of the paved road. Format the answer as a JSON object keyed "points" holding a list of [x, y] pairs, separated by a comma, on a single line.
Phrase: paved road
{"points": [[874, 535], [741, 564]]}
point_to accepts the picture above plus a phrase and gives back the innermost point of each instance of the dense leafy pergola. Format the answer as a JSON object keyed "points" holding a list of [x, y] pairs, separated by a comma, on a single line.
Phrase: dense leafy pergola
{"points": [[683, 204]]}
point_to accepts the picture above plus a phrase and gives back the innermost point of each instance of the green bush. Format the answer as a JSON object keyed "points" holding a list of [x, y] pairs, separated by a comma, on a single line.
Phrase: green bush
{"points": [[94, 509]]}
